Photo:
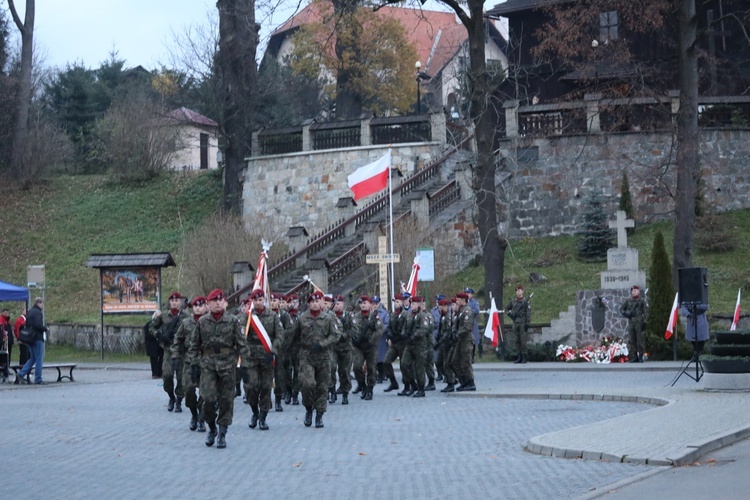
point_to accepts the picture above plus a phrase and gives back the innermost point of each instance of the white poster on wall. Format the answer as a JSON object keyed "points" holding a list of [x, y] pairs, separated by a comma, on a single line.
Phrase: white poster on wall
{"points": [[426, 264]]}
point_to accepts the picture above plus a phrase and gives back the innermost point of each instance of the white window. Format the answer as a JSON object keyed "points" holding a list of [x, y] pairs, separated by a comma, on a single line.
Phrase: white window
{"points": [[608, 26]]}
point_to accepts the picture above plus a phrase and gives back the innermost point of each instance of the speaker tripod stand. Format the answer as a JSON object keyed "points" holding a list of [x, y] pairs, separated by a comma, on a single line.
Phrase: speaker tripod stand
{"points": [[697, 349]]}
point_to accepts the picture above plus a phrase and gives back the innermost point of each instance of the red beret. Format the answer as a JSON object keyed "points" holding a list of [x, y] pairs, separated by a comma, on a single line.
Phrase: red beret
{"points": [[398, 296], [215, 294], [339, 298], [246, 300], [453, 300], [365, 298], [257, 294], [417, 299], [462, 295], [292, 296], [444, 302], [278, 296], [175, 295], [634, 287], [519, 287], [328, 298], [198, 301], [315, 296]]}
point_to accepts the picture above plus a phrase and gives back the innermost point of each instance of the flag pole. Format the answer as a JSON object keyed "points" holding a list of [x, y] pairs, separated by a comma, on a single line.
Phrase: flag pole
{"points": [[390, 209]]}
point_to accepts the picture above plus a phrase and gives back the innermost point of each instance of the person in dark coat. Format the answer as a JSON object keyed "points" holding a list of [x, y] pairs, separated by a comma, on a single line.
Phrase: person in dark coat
{"points": [[696, 329], [154, 351], [35, 321]]}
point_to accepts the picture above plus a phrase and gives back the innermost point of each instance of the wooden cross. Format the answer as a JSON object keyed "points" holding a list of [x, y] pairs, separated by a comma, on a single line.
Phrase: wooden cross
{"points": [[382, 259], [621, 224]]}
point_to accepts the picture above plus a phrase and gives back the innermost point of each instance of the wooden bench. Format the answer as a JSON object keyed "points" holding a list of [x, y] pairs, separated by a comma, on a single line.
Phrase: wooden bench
{"points": [[59, 366]]}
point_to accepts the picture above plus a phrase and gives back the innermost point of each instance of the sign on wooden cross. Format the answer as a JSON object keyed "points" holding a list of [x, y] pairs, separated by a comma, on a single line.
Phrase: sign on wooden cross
{"points": [[382, 259], [621, 224]]}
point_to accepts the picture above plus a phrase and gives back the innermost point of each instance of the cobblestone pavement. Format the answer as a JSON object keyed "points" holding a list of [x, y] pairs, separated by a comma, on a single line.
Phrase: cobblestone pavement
{"points": [[109, 435]]}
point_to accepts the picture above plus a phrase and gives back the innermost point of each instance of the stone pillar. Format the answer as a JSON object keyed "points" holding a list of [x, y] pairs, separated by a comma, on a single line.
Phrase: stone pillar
{"points": [[511, 118], [319, 275], [592, 113], [255, 144], [347, 207], [297, 237], [463, 176], [307, 143], [420, 209], [437, 124], [372, 232], [365, 137]]}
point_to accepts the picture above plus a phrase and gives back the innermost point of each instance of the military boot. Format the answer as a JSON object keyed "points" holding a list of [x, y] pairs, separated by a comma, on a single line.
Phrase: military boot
{"points": [[363, 393], [288, 397], [430, 386], [339, 390], [358, 389], [524, 359], [262, 425], [518, 360], [449, 388], [193, 419], [468, 386], [172, 401], [201, 423], [211, 437], [392, 387], [295, 399], [345, 398], [419, 393], [368, 396], [331, 395], [405, 392], [318, 419], [308, 417], [381, 373], [221, 442], [278, 403], [439, 377], [178, 406], [253, 421]]}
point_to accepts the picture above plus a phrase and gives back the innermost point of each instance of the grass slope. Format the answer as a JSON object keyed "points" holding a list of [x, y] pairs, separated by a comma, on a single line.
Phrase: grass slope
{"points": [[62, 221]]}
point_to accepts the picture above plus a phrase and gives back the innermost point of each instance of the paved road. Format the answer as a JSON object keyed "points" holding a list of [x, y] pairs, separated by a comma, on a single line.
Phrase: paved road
{"points": [[109, 434]]}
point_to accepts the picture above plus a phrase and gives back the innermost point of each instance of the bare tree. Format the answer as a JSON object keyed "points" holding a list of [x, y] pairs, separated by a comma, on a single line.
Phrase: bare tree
{"points": [[26, 28]]}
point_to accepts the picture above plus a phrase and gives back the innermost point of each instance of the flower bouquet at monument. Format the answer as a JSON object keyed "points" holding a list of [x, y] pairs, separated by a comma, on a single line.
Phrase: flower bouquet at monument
{"points": [[617, 349], [610, 350], [566, 353]]}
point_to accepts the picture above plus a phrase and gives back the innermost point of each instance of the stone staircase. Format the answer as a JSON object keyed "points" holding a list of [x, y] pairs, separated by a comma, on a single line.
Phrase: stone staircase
{"points": [[559, 327]]}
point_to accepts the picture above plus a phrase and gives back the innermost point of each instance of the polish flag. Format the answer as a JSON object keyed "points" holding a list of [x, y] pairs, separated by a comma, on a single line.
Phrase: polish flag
{"points": [[411, 286], [493, 324], [672, 320], [736, 318], [261, 274], [371, 178]]}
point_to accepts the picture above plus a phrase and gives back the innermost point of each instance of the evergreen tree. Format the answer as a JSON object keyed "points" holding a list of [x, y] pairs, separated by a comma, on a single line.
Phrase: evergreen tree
{"points": [[596, 236], [626, 201], [660, 298]]}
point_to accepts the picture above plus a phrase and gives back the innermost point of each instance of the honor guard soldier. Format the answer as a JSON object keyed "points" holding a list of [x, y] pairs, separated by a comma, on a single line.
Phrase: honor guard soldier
{"points": [[366, 330], [341, 354], [464, 344], [213, 349], [180, 358], [163, 328], [519, 311], [396, 343], [314, 332], [634, 309]]}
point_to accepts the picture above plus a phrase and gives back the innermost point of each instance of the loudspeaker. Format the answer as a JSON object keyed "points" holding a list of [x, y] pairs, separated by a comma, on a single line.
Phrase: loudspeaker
{"points": [[693, 285]]}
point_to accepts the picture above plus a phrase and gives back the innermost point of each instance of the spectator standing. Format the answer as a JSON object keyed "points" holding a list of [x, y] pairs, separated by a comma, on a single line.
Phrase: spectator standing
{"points": [[23, 348], [35, 321], [6, 337]]}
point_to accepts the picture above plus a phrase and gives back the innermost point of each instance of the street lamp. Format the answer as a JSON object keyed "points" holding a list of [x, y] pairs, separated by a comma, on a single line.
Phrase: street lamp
{"points": [[420, 76]]}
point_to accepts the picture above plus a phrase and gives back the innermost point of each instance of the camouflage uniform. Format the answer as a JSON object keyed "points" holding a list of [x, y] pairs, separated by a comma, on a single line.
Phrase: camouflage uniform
{"points": [[635, 311], [215, 346], [159, 327], [314, 361], [464, 345], [396, 349], [291, 359], [420, 342], [258, 379], [520, 312], [179, 351], [280, 371], [341, 355], [366, 330], [445, 348]]}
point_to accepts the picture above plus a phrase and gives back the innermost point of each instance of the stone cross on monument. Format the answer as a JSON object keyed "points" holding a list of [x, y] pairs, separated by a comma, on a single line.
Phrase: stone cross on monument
{"points": [[622, 262], [382, 259], [621, 224]]}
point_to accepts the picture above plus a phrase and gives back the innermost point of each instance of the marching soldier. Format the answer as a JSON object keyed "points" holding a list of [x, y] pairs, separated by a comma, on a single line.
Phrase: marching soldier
{"points": [[341, 354], [213, 349], [519, 311], [258, 367], [366, 329], [420, 345], [405, 323], [314, 332], [164, 328], [179, 358], [292, 358], [635, 310], [279, 371], [396, 343], [445, 344], [464, 344]]}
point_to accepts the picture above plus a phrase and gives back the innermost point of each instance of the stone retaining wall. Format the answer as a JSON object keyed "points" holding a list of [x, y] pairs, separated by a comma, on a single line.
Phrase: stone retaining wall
{"points": [[125, 339]]}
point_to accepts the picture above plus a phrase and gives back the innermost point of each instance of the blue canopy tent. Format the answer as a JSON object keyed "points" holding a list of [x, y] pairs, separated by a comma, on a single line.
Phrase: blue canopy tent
{"points": [[13, 293]]}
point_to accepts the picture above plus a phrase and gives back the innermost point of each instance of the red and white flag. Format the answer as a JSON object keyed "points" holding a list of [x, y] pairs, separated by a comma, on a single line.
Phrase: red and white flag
{"points": [[260, 332], [261, 273], [736, 318], [371, 178], [672, 319], [493, 324], [411, 286]]}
